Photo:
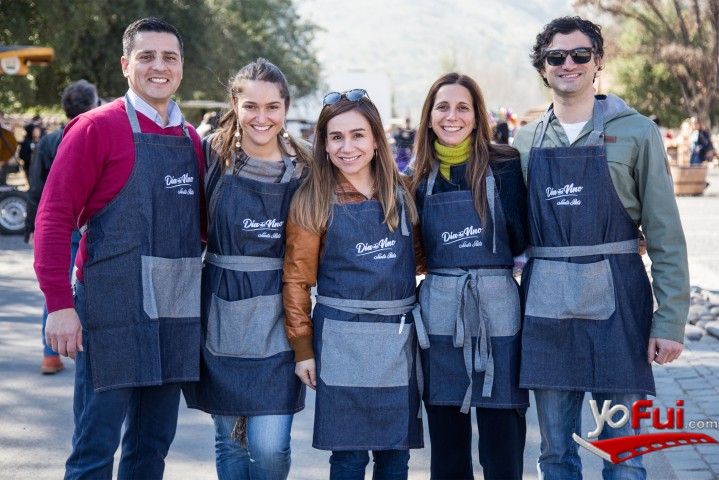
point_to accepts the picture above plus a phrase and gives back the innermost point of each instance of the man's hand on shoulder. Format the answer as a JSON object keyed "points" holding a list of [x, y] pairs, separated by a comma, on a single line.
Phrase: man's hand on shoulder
{"points": [[63, 332], [663, 351]]}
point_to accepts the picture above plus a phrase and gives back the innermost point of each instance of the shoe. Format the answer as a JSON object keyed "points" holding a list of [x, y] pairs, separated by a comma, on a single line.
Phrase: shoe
{"points": [[51, 364]]}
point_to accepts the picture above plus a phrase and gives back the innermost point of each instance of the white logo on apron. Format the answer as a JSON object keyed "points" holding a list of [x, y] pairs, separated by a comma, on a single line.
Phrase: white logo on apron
{"points": [[465, 236], [183, 183], [562, 194], [267, 229], [380, 249]]}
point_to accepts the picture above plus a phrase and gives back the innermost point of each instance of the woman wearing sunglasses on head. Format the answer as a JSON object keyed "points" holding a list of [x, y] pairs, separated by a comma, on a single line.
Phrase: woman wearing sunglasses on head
{"points": [[471, 200], [350, 233], [247, 380]]}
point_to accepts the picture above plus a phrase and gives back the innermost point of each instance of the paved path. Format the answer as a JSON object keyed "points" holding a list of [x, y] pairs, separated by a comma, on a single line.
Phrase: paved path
{"points": [[36, 410]]}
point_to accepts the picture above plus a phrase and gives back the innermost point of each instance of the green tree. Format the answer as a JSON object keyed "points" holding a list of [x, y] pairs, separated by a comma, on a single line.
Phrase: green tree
{"points": [[680, 41], [219, 37]]}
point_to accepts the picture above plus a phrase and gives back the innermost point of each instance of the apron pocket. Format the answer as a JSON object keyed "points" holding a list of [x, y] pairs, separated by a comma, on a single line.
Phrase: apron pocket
{"points": [[364, 354], [249, 328], [499, 300], [563, 290], [439, 301], [171, 287]]}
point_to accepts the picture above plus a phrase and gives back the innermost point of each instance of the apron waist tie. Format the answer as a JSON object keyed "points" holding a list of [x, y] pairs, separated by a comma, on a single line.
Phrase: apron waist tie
{"points": [[468, 290], [612, 248], [244, 263]]}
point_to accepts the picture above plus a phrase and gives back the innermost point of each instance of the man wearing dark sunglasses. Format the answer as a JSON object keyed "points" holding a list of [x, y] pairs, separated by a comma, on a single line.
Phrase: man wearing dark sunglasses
{"points": [[596, 171]]}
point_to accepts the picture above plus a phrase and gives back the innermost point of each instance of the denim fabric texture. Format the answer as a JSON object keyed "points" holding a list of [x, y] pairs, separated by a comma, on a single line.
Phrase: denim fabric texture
{"points": [[351, 465], [560, 415], [150, 228], [568, 341], [470, 303], [74, 245], [247, 366], [267, 454], [363, 260], [148, 413]]}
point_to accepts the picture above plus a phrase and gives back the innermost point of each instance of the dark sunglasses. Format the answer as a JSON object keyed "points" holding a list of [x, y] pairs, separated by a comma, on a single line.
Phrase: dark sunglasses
{"points": [[580, 56], [354, 95]]}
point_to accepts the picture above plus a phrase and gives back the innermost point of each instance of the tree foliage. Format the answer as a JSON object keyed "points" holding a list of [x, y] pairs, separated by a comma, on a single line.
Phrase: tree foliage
{"points": [[677, 49], [219, 36]]}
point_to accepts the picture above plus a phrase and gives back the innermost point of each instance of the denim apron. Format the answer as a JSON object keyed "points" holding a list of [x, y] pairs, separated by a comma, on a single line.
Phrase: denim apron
{"points": [[247, 365], [142, 274], [588, 300], [364, 334], [470, 303]]}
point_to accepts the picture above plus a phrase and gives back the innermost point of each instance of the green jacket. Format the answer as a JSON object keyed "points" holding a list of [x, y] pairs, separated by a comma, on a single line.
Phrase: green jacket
{"points": [[640, 173]]}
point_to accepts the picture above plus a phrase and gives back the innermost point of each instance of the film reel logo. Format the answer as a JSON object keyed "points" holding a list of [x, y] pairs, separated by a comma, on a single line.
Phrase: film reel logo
{"points": [[620, 449]]}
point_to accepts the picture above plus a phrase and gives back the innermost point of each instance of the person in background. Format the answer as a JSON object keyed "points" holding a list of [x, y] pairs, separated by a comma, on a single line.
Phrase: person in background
{"points": [[208, 124], [129, 173], [247, 372], [350, 233], [79, 97], [701, 143], [596, 171], [404, 142], [471, 200], [34, 131]]}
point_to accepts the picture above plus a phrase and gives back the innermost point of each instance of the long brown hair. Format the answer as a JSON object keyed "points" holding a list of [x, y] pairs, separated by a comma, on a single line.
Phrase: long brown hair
{"points": [[265, 71], [311, 204], [481, 149]]}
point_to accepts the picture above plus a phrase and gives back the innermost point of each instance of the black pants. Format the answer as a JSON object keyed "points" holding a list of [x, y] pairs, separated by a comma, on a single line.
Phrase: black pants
{"points": [[502, 434]]}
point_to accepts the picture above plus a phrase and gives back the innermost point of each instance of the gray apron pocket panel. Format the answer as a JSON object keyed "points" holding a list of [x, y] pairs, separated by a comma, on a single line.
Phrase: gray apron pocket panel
{"points": [[249, 328], [171, 287], [563, 290], [363, 354], [499, 300], [439, 301]]}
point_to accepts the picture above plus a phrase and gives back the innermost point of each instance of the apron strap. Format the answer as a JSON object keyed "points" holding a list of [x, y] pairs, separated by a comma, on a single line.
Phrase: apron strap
{"points": [[403, 213], [613, 248], [432, 178], [596, 137], [489, 180], [244, 263], [468, 291], [289, 168], [373, 307]]}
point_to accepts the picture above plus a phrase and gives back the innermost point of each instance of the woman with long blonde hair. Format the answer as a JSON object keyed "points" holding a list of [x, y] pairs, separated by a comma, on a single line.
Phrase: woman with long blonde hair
{"points": [[350, 234]]}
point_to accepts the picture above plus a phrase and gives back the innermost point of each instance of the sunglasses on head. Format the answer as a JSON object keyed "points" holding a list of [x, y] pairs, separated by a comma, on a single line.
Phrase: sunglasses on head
{"points": [[580, 56], [354, 95]]}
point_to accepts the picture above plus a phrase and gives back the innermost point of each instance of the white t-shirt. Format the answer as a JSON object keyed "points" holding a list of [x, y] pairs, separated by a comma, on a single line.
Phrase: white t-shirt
{"points": [[573, 129]]}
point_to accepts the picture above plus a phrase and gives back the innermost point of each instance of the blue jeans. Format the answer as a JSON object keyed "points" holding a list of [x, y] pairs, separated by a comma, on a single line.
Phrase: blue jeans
{"points": [[388, 464], [560, 415], [149, 415], [267, 455], [47, 350]]}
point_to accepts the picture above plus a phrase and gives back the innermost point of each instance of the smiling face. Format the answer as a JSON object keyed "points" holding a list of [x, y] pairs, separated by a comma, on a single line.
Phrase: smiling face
{"points": [[571, 80], [350, 145], [452, 116], [261, 112], [154, 68]]}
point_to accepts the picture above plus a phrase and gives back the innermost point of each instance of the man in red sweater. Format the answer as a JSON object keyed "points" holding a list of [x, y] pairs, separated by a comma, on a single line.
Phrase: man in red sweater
{"points": [[128, 174]]}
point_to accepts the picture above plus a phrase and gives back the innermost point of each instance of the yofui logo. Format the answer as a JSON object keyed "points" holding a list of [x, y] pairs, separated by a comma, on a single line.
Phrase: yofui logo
{"points": [[183, 183], [377, 248], [466, 234], [562, 194], [267, 228]]}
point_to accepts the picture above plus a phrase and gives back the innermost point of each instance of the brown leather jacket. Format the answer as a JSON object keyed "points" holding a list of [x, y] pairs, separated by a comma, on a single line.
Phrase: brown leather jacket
{"points": [[302, 256]]}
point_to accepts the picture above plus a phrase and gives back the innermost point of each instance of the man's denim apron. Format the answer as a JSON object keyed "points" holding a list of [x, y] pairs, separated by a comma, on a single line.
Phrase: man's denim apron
{"points": [[364, 334], [589, 304], [470, 303], [142, 274], [247, 365]]}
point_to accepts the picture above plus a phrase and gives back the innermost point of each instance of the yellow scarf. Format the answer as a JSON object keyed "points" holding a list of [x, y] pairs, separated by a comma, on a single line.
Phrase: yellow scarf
{"points": [[449, 156]]}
